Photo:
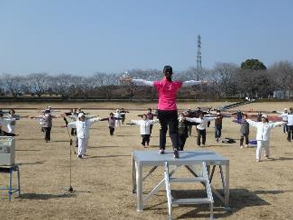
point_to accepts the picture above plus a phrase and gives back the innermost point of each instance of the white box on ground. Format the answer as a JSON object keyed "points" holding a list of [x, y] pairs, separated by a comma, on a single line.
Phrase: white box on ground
{"points": [[7, 150]]}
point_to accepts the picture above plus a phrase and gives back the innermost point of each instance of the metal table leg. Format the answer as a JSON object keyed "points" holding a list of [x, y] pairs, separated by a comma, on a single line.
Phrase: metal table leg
{"points": [[139, 195]]}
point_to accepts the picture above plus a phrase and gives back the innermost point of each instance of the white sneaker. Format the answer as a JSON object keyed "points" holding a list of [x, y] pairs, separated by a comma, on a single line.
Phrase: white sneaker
{"points": [[241, 146]]}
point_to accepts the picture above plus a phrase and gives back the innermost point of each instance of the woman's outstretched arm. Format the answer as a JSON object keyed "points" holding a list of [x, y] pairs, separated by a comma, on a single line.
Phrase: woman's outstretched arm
{"points": [[142, 82], [193, 83]]}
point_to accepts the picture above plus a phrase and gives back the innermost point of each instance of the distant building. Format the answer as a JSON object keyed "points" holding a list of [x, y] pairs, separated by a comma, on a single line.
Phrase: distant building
{"points": [[281, 94]]}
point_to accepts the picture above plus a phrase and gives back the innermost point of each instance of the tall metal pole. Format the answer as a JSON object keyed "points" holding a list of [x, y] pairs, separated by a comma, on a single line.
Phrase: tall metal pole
{"points": [[198, 57]]}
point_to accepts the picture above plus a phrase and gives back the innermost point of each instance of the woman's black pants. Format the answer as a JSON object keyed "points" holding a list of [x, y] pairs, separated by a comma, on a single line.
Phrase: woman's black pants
{"points": [[168, 119]]}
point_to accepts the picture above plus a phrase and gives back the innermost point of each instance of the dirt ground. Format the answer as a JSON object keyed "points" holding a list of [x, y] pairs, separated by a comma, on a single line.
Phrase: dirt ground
{"points": [[102, 181]]}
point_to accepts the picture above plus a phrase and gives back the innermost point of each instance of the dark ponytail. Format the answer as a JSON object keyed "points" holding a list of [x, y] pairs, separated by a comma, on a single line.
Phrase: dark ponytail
{"points": [[168, 71]]}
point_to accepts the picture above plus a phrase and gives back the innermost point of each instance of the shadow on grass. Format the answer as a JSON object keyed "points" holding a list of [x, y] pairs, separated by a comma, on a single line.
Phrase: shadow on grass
{"points": [[126, 135], [239, 199], [32, 196], [283, 158], [60, 141], [31, 163], [29, 139], [105, 156], [104, 147]]}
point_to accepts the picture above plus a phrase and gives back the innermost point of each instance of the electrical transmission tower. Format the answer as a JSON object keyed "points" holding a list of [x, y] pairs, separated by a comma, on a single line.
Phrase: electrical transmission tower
{"points": [[198, 57]]}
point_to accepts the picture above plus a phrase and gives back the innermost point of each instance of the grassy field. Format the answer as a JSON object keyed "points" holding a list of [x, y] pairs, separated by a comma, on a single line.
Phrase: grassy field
{"points": [[102, 180]]}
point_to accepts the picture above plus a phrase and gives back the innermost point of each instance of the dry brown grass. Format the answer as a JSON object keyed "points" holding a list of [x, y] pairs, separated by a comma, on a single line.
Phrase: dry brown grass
{"points": [[102, 181]]}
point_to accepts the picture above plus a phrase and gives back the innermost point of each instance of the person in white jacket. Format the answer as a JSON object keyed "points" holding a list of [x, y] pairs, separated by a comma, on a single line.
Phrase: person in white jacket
{"points": [[117, 115], [83, 132], [201, 127], [290, 125], [284, 116], [263, 130], [145, 129]]}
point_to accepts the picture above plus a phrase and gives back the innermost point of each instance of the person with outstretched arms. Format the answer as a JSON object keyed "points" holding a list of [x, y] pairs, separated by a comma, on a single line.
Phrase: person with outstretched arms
{"points": [[167, 108]]}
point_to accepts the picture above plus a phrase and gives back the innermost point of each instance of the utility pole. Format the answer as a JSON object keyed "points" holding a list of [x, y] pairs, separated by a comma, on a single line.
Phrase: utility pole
{"points": [[198, 57]]}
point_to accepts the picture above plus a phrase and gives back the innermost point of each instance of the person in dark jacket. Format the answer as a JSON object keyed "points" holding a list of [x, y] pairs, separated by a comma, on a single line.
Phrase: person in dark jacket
{"points": [[244, 131], [183, 130], [218, 125], [111, 122]]}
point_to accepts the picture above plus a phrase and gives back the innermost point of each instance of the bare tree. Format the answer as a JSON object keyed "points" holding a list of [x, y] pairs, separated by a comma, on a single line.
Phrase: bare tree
{"points": [[255, 83], [143, 92], [2, 87], [106, 83], [88, 85], [281, 76], [61, 85], [13, 84], [75, 89], [224, 79], [37, 83]]}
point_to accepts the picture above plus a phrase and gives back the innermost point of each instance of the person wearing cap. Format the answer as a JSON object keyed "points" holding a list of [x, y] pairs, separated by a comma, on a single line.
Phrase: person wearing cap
{"points": [[167, 109], [144, 128], [263, 130], [83, 132]]}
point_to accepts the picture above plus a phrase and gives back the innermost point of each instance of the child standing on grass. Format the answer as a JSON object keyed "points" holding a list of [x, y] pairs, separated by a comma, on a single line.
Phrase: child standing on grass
{"points": [[244, 131], [218, 125], [83, 132], [111, 122], [145, 129], [201, 127], [263, 130]]}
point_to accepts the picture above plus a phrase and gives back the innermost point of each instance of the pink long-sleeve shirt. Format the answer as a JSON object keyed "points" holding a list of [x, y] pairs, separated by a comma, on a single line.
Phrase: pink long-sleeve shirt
{"points": [[167, 91]]}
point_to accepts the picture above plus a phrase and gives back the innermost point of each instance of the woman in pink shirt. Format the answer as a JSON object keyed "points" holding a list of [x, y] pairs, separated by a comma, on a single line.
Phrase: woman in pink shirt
{"points": [[167, 108]]}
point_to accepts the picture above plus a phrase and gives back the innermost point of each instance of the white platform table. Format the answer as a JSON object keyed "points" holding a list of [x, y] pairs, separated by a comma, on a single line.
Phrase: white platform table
{"points": [[150, 158]]}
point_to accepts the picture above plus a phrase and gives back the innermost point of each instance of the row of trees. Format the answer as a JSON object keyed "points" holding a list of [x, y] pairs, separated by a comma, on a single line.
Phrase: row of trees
{"points": [[227, 80]]}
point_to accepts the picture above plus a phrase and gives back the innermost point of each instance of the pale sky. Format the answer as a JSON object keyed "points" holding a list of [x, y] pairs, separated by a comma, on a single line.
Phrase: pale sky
{"points": [[112, 36]]}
